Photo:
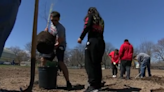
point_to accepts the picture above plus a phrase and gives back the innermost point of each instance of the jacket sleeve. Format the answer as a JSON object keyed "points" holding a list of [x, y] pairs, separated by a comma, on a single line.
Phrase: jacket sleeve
{"points": [[111, 54], [117, 61], [121, 51], [139, 59], [87, 26]]}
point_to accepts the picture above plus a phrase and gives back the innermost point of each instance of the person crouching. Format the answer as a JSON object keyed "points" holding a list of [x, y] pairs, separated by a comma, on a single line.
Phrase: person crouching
{"points": [[114, 55], [144, 61]]}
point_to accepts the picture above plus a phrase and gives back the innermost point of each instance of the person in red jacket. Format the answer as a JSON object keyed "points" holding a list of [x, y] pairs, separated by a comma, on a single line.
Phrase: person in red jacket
{"points": [[114, 56], [126, 55]]}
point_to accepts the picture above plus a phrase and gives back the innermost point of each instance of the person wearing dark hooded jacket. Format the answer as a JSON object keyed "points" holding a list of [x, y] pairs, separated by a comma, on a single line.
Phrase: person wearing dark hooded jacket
{"points": [[126, 56], [95, 47]]}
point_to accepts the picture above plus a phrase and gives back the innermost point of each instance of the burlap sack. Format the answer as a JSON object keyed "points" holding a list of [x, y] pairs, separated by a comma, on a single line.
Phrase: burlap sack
{"points": [[45, 42]]}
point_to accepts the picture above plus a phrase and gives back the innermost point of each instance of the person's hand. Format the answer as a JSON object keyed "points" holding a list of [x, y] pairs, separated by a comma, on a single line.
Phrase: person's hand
{"points": [[79, 40], [119, 61], [46, 29], [114, 63], [56, 44]]}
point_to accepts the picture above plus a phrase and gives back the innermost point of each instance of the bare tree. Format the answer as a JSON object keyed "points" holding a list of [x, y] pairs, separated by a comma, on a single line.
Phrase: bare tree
{"points": [[72, 58], [80, 51], [76, 56], [67, 55], [159, 49], [16, 50], [28, 47], [147, 47], [44, 13], [20, 54], [136, 51], [108, 48]]}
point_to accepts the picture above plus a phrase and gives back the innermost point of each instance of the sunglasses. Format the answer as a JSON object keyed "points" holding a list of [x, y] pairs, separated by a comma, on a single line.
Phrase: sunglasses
{"points": [[54, 20]]}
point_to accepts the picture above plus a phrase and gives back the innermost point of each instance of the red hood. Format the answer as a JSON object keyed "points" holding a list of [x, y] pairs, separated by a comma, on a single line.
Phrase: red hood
{"points": [[126, 54], [127, 43]]}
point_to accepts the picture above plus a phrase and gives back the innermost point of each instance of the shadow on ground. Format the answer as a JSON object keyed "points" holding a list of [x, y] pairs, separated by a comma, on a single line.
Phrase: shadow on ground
{"points": [[128, 89], [121, 90], [157, 90], [74, 87], [3, 90]]}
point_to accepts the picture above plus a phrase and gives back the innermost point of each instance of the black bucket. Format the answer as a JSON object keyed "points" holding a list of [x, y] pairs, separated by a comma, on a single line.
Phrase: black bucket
{"points": [[47, 77]]}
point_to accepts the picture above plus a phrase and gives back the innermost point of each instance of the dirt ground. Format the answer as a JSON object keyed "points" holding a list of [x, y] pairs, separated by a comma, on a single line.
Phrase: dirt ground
{"points": [[12, 78]]}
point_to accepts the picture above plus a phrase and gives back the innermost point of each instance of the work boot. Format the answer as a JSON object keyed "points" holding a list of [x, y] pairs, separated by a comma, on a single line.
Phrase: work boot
{"points": [[91, 89], [103, 83], [150, 75], [121, 77], [114, 76], [69, 86], [141, 77], [128, 78]]}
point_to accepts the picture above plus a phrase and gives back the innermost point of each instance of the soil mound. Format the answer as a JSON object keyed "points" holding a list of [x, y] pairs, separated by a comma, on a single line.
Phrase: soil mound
{"points": [[157, 90], [156, 79]]}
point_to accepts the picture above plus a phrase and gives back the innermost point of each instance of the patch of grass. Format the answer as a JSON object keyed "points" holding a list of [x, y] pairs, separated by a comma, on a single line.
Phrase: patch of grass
{"points": [[3, 66]]}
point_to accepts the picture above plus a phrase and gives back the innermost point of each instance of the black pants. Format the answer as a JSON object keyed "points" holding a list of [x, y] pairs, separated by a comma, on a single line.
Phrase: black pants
{"points": [[125, 66], [114, 69], [93, 56]]}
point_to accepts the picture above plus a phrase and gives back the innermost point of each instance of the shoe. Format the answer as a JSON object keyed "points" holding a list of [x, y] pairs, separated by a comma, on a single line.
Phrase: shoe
{"points": [[141, 77], [114, 76], [91, 89], [121, 78], [128, 78], [69, 86], [103, 83]]}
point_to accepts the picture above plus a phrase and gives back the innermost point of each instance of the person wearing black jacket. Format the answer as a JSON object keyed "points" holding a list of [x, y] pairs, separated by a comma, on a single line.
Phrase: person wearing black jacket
{"points": [[95, 47]]}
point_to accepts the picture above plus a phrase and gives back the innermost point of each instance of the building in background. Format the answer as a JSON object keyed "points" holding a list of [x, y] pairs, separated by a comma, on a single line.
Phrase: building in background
{"points": [[25, 63], [7, 56]]}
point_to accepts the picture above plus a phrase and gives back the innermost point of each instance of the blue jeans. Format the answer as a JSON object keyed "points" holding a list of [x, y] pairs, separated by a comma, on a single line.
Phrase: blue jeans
{"points": [[8, 13], [145, 64]]}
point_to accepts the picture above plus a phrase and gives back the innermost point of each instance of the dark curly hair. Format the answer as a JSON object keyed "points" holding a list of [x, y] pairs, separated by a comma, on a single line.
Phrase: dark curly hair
{"points": [[55, 14], [93, 11]]}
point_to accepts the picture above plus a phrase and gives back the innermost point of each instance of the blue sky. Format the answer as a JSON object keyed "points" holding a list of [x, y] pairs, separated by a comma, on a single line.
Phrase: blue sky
{"points": [[136, 20]]}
